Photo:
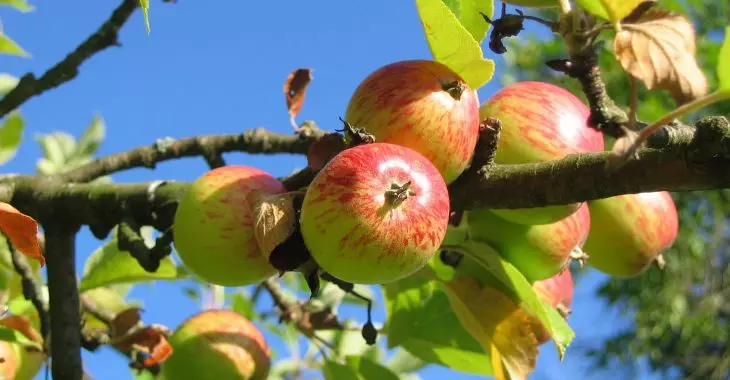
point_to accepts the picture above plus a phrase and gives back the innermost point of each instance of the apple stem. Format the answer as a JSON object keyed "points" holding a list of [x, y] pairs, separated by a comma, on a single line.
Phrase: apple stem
{"points": [[398, 193], [578, 255], [455, 88]]}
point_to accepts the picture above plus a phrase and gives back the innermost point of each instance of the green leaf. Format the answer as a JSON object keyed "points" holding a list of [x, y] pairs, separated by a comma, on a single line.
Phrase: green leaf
{"points": [[241, 304], [92, 137], [145, 5], [108, 265], [723, 63], [421, 321], [12, 335], [7, 83], [20, 5], [403, 361], [594, 7], [10, 47], [11, 135], [452, 44], [468, 14], [511, 278], [369, 369]]}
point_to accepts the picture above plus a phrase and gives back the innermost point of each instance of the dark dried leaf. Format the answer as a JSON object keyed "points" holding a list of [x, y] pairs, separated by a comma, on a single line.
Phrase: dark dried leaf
{"points": [[324, 149], [294, 89], [125, 321], [149, 340]]}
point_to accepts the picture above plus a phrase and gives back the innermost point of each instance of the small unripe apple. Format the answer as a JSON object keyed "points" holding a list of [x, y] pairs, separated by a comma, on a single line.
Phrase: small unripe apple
{"points": [[217, 344], [556, 291], [629, 231], [539, 251], [375, 213], [422, 105], [18, 363], [540, 122], [214, 226]]}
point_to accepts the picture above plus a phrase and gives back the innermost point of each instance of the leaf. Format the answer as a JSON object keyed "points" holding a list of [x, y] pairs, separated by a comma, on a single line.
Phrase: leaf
{"points": [[22, 231], [149, 339], [497, 323], [421, 321], [513, 280], [125, 320], [23, 325], [7, 84], [295, 88], [723, 63], [20, 5], [242, 304], [452, 44], [9, 334], [468, 14], [594, 7], [10, 47], [92, 137], [145, 5], [11, 135], [403, 361], [324, 149], [368, 369], [107, 265], [618, 9], [274, 218], [659, 49]]}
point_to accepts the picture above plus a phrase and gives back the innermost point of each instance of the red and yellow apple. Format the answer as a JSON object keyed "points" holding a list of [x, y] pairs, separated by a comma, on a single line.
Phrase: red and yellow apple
{"points": [[629, 231], [375, 213], [422, 105], [540, 122], [217, 344], [557, 292], [539, 251], [214, 226]]}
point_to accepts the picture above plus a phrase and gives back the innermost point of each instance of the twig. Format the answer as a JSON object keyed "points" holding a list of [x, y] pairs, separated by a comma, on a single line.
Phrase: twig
{"points": [[32, 291], [255, 141], [64, 302], [68, 68], [129, 239]]}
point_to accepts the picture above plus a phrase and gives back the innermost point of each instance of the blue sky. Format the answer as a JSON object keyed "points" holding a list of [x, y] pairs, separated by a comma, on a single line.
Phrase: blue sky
{"points": [[220, 69]]}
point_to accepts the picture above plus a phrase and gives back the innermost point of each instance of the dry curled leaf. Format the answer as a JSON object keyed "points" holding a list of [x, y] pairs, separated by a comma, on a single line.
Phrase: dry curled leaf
{"points": [[502, 328], [294, 88], [274, 218], [658, 48], [22, 231], [24, 325], [150, 340], [125, 321], [324, 149]]}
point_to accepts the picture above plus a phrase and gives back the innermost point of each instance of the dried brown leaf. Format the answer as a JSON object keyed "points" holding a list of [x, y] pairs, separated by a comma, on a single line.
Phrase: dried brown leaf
{"points": [[125, 321], [324, 149], [274, 218], [294, 89], [658, 48], [24, 325], [151, 340]]}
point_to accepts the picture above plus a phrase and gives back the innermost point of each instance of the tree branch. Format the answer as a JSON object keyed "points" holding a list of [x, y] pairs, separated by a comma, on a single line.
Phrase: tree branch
{"points": [[64, 302], [32, 291], [68, 68], [210, 147]]}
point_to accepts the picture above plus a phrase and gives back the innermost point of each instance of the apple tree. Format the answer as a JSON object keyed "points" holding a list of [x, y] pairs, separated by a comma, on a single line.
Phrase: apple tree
{"points": [[468, 216]]}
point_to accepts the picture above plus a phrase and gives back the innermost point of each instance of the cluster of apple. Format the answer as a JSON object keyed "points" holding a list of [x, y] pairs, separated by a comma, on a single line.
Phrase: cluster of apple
{"points": [[378, 211]]}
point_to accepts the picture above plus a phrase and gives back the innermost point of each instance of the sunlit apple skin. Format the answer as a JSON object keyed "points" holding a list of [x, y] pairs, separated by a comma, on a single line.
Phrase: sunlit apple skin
{"points": [[556, 291], [217, 344], [629, 231], [405, 103], [540, 122], [538, 251], [213, 227], [352, 230], [10, 360]]}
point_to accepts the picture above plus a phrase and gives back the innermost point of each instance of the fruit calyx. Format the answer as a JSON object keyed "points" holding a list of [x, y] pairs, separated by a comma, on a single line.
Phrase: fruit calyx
{"points": [[398, 193], [455, 88]]}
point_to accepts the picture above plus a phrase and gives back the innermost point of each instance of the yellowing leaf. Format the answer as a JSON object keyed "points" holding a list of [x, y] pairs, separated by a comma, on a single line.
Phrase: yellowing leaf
{"points": [[145, 5], [22, 231], [658, 49], [20, 5], [723, 63], [8, 46], [274, 219], [618, 9], [498, 323], [452, 44], [11, 135]]}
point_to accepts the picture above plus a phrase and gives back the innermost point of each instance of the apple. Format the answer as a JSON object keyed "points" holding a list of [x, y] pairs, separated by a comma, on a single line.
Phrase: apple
{"points": [[556, 291], [375, 213], [540, 122], [214, 229], [422, 105], [16, 362], [630, 230], [9, 360], [539, 251], [217, 344]]}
